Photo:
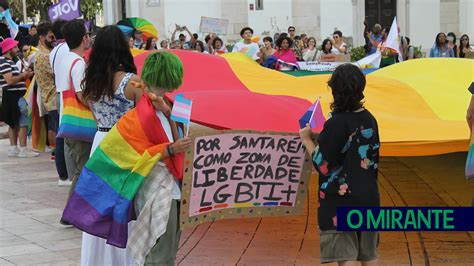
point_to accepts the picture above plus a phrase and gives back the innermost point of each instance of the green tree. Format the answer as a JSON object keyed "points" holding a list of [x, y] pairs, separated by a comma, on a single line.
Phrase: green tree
{"points": [[89, 8]]}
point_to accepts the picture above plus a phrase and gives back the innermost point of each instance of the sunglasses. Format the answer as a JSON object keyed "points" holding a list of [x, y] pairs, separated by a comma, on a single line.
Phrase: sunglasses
{"points": [[464, 39], [291, 30], [336, 37]]}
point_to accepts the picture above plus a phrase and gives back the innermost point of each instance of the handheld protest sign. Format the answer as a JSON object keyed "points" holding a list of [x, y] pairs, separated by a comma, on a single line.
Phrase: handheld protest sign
{"points": [[240, 174]]}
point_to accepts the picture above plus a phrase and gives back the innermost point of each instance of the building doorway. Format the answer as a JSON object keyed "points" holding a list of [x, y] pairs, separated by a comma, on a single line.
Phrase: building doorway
{"points": [[381, 12]]}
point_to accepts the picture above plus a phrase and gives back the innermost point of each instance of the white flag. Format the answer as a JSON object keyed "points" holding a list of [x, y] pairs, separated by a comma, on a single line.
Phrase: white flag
{"points": [[370, 61], [393, 39]]}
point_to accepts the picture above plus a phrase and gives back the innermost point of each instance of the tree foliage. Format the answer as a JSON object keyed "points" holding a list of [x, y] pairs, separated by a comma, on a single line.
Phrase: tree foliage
{"points": [[89, 8]]}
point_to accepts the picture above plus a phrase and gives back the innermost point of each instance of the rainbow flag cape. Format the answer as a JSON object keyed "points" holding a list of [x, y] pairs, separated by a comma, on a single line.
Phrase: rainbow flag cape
{"points": [[37, 127], [102, 201]]}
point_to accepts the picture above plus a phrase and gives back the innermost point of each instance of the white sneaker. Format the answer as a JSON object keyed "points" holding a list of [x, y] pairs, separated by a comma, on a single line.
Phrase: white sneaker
{"points": [[25, 153], [13, 151], [64, 183]]}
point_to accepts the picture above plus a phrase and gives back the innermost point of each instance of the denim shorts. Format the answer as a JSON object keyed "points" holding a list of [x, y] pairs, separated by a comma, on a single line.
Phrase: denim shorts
{"points": [[53, 120], [23, 121]]}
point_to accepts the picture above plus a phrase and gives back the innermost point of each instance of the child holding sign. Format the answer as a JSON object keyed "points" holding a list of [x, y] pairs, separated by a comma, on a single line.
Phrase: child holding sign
{"points": [[155, 237], [346, 159]]}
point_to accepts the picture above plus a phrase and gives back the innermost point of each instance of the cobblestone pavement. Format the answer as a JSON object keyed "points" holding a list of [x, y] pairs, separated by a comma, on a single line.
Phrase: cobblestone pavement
{"points": [[31, 204]]}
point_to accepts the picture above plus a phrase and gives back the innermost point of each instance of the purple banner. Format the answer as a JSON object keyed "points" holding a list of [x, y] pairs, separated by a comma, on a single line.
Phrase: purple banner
{"points": [[65, 9]]}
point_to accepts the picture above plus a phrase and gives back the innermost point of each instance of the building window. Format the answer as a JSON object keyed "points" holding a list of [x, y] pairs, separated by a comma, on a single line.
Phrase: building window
{"points": [[151, 3], [259, 4]]}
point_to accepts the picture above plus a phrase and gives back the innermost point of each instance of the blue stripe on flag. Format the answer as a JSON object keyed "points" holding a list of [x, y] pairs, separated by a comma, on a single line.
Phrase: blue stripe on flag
{"points": [[180, 98], [179, 119]]}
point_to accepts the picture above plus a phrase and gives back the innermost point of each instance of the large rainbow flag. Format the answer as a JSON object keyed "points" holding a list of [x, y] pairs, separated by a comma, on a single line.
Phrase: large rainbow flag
{"points": [[420, 104], [37, 127], [102, 202]]}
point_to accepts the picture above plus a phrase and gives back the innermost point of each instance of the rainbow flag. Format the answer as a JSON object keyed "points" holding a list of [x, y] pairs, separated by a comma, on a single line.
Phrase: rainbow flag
{"points": [[102, 201], [37, 127]]}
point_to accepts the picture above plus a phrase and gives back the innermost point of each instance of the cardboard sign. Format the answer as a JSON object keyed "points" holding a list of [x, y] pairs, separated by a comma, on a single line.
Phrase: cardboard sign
{"points": [[65, 9], [238, 174], [213, 25]]}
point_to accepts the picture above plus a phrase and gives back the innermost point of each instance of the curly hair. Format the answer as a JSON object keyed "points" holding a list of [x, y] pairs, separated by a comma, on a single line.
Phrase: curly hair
{"points": [[110, 53], [164, 70], [281, 39], [347, 85]]}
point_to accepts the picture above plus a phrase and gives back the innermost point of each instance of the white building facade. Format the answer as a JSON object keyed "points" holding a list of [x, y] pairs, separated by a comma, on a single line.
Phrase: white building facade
{"points": [[421, 20]]}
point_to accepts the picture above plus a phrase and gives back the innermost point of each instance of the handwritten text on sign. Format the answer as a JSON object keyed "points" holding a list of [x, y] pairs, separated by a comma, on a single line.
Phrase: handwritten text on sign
{"points": [[213, 25], [245, 170]]}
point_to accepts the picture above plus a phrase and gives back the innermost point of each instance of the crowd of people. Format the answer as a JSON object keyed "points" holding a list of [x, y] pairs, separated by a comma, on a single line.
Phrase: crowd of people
{"points": [[107, 85]]}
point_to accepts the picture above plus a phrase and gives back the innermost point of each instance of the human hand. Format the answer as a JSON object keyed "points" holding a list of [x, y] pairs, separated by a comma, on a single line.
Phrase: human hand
{"points": [[160, 104], [29, 74], [306, 133], [181, 145]]}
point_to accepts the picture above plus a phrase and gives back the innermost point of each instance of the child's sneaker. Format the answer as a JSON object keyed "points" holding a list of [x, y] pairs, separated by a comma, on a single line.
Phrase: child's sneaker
{"points": [[13, 151], [25, 153]]}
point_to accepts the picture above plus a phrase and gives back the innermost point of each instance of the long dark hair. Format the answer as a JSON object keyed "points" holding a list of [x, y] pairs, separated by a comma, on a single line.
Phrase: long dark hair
{"points": [[461, 46], [438, 44], [110, 53], [347, 85], [323, 46], [148, 44]]}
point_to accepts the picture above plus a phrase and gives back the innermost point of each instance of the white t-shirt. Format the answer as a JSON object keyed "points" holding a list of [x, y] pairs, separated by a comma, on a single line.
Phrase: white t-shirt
{"points": [[248, 49], [336, 51], [175, 192], [61, 66]]}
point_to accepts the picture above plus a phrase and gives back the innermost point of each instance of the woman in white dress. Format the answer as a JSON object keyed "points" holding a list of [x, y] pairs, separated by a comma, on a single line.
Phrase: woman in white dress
{"points": [[107, 89]]}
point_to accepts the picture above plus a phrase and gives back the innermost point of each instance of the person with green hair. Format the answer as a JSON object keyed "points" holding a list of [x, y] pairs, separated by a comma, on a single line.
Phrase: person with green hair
{"points": [[156, 234]]}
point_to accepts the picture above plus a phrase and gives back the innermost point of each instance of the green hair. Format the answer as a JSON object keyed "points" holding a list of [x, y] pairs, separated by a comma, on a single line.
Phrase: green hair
{"points": [[164, 70]]}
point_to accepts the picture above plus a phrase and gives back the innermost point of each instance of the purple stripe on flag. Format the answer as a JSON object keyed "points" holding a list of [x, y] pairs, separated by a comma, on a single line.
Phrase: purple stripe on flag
{"points": [[82, 215]]}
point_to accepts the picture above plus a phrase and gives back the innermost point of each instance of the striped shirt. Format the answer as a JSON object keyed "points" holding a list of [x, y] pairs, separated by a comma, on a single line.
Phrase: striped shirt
{"points": [[8, 66]]}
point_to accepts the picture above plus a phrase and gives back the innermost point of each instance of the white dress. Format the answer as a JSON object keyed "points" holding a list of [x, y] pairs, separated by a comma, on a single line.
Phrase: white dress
{"points": [[94, 250]]}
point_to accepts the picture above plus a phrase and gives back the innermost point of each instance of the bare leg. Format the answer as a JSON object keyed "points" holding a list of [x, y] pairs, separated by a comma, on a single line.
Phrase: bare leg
{"points": [[370, 263], [348, 263], [13, 136], [22, 136]]}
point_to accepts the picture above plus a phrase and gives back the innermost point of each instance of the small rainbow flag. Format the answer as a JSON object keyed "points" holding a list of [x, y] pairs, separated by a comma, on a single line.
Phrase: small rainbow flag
{"points": [[102, 201], [181, 111], [314, 116]]}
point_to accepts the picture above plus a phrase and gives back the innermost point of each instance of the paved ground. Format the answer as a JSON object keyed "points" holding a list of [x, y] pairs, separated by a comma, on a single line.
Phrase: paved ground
{"points": [[31, 204]]}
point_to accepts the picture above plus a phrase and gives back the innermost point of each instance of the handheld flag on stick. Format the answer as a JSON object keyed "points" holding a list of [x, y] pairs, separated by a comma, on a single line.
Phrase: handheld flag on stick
{"points": [[181, 111], [314, 116]]}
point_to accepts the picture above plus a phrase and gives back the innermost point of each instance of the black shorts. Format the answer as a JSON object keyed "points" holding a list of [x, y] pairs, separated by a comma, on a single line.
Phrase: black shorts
{"points": [[53, 120]]}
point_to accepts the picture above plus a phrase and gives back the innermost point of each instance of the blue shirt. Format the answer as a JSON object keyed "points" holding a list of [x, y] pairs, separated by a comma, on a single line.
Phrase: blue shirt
{"points": [[377, 39], [436, 52]]}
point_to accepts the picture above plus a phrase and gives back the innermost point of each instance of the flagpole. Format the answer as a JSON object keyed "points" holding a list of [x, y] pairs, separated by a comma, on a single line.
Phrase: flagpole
{"points": [[314, 110], [189, 122], [24, 12]]}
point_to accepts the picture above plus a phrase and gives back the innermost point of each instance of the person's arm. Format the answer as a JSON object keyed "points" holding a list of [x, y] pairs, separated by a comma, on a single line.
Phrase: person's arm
{"points": [[77, 74], [12, 80], [190, 34], [342, 48], [132, 91], [470, 113], [372, 41], [173, 36]]}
